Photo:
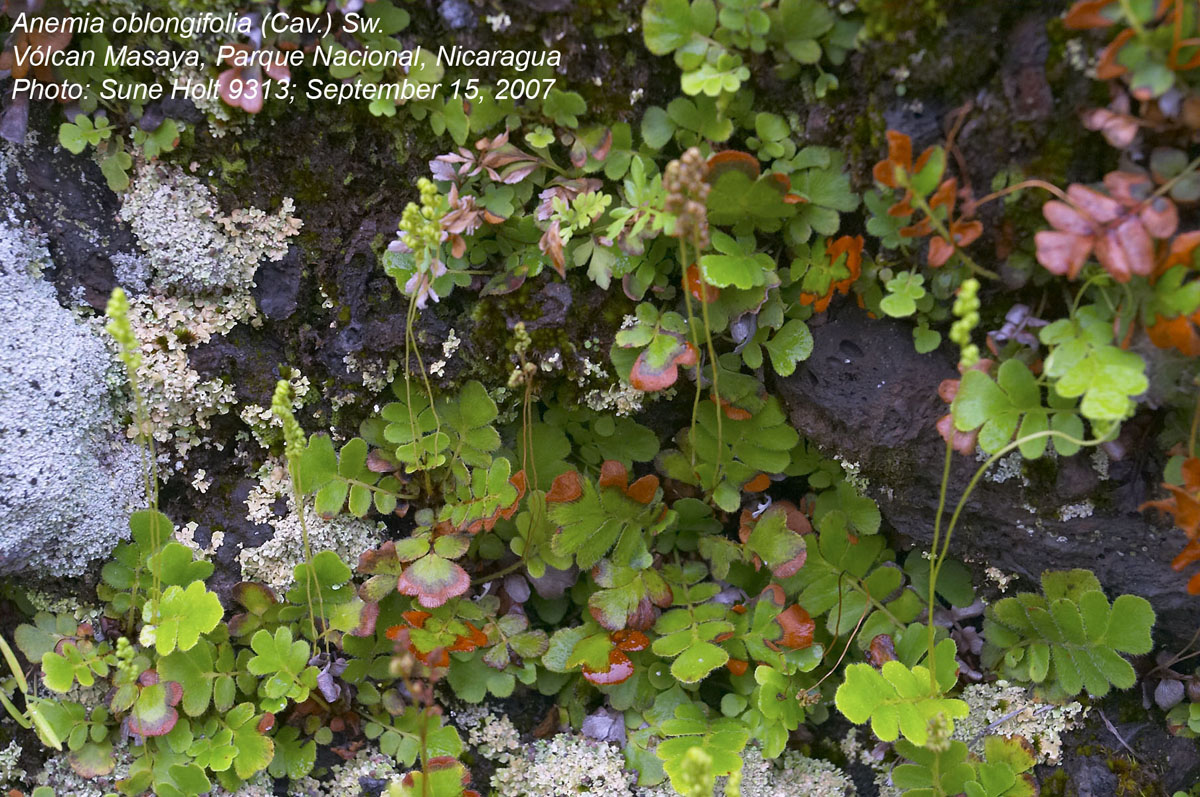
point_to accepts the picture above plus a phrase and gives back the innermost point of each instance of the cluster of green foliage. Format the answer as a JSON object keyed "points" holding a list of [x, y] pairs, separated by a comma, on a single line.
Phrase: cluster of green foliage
{"points": [[584, 555]]}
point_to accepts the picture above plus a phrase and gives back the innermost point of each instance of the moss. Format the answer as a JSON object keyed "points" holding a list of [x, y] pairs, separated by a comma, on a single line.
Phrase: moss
{"points": [[561, 349], [1133, 778], [889, 20], [1055, 785]]}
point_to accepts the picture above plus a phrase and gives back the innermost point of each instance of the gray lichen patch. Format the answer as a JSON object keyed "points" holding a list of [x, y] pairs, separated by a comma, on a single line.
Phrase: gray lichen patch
{"points": [[274, 562], [198, 271], [191, 245], [67, 479]]}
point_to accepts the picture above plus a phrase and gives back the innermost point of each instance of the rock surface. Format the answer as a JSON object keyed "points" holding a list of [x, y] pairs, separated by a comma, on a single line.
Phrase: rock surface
{"points": [[867, 397], [67, 476]]}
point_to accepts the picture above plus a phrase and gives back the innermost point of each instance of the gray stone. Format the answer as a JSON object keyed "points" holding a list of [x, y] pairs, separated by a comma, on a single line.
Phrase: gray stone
{"points": [[68, 478]]}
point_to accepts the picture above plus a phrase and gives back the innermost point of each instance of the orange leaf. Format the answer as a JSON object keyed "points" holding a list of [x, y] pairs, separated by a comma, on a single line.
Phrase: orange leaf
{"points": [[797, 627], [899, 156], [1107, 68], [732, 160], [759, 483], [474, 638], [565, 488], [1180, 253], [613, 474], [415, 617], [1085, 14], [732, 412], [698, 288], [629, 641], [1188, 556], [644, 489], [945, 195], [1176, 333], [620, 668]]}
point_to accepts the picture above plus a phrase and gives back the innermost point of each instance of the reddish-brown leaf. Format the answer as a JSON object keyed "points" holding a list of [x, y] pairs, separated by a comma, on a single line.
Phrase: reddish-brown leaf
{"points": [[1062, 253], [797, 627], [629, 641], [1118, 129], [1125, 250], [613, 474], [620, 669], [797, 521], [1160, 217], [759, 483], [1097, 207], [1086, 14], [881, 650], [1109, 67], [940, 250], [732, 160], [698, 288], [565, 488], [644, 489], [737, 666], [775, 594], [648, 379], [432, 593]]}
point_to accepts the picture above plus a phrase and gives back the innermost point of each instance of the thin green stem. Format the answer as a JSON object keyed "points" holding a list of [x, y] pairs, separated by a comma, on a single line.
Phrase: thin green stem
{"points": [[504, 571], [687, 299], [716, 393], [1169, 184], [1134, 22], [939, 558], [310, 574], [937, 528], [145, 437], [411, 349], [1095, 278]]}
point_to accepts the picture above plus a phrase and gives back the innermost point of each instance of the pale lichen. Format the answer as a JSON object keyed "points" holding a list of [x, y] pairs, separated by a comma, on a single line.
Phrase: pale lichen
{"points": [[999, 578], [264, 424], [179, 401], [272, 562], [57, 774], [202, 264], [1081, 509], [68, 479], [190, 244], [186, 535], [1004, 709], [11, 773], [792, 774], [495, 738], [1005, 469], [565, 764], [621, 399], [346, 780]]}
